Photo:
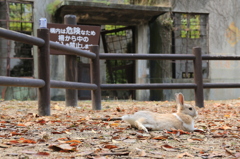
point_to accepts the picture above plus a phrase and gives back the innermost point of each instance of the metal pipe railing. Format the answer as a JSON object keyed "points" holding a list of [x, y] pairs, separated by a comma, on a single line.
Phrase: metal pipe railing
{"points": [[21, 82], [72, 85], [221, 85], [219, 57], [71, 50], [16, 36], [148, 86], [44, 83], [44, 73], [113, 56]]}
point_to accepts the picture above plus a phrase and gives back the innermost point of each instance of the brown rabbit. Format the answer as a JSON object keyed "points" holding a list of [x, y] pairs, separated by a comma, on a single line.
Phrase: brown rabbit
{"points": [[183, 119]]}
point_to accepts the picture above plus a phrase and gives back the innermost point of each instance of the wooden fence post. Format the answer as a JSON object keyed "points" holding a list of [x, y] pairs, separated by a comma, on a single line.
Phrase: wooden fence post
{"points": [[44, 73], [95, 78], [71, 71], [198, 79]]}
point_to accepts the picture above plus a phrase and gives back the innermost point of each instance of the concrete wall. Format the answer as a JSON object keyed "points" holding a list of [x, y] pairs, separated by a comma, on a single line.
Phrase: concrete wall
{"points": [[142, 66], [223, 40]]}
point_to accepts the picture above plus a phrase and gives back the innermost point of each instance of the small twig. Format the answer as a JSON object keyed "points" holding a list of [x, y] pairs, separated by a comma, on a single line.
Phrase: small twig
{"points": [[114, 153], [107, 119]]}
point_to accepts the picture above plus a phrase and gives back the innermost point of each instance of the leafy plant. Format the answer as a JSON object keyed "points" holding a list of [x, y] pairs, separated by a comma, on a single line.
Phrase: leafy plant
{"points": [[52, 7]]}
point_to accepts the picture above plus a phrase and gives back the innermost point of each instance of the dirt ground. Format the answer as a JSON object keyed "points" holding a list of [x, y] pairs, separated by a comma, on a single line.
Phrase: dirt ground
{"points": [[71, 133]]}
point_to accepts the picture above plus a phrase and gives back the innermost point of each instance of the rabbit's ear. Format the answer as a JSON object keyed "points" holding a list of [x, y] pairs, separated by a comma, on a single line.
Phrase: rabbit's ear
{"points": [[180, 99]]}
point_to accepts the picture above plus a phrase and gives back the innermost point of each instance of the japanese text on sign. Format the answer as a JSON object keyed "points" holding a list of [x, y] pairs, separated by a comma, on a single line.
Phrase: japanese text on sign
{"points": [[77, 36]]}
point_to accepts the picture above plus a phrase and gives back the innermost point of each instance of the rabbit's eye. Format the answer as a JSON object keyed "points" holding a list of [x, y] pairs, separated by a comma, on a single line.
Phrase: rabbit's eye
{"points": [[190, 108]]}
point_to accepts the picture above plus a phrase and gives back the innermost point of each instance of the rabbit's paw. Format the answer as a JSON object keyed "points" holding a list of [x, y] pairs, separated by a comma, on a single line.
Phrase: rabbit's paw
{"points": [[141, 126]]}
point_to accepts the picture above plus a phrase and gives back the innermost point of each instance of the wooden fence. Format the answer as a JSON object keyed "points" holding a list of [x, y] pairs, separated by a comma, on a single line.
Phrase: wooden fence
{"points": [[43, 83]]}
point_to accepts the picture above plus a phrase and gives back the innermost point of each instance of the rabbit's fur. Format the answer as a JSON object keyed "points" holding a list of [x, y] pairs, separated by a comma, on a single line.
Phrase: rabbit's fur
{"points": [[183, 119]]}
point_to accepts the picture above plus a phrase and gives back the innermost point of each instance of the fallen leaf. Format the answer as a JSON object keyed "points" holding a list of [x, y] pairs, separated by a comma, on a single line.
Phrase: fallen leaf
{"points": [[73, 141], [62, 148], [160, 138], [4, 146], [199, 130], [185, 154], [42, 154], [114, 124], [225, 128], [143, 137], [181, 132], [56, 121], [41, 121], [169, 148], [28, 141], [58, 132], [227, 115], [229, 152], [16, 133], [14, 142], [110, 146], [194, 139], [216, 155], [74, 144], [119, 110], [21, 125]]}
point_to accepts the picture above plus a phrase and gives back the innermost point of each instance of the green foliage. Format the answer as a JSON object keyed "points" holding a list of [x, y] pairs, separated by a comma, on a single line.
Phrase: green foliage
{"points": [[52, 7], [20, 16], [20, 11], [112, 27], [190, 26], [102, 1], [135, 2], [144, 2]]}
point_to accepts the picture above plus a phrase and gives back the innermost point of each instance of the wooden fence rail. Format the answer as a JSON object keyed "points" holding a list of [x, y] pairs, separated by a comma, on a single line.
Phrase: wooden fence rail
{"points": [[44, 83]]}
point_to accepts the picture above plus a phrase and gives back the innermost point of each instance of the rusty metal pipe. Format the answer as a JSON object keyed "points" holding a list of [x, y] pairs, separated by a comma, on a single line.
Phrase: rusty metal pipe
{"points": [[72, 85], [219, 57], [44, 73], [114, 56], [221, 85], [21, 82], [148, 86], [71, 69], [16, 36], [95, 78], [71, 50], [198, 79]]}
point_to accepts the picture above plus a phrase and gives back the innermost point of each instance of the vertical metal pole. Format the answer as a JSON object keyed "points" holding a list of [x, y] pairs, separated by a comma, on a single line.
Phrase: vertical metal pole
{"points": [[198, 79], [44, 73], [71, 70], [95, 78]]}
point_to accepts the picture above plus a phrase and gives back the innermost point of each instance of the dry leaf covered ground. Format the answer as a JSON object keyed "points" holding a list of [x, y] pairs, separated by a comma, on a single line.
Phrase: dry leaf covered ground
{"points": [[71, 133]]}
